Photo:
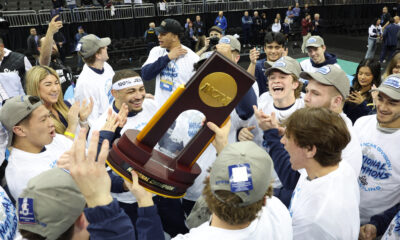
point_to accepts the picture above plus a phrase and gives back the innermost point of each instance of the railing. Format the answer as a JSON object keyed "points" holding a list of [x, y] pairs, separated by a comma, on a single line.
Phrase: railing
{"points": [[169, 8], [89, 14], [354, 2], [239, 5], [21, 18], [144, 10], [118, 12], [261, 4], [45, 16], [215, 6], [24, 18], [193, 8]]}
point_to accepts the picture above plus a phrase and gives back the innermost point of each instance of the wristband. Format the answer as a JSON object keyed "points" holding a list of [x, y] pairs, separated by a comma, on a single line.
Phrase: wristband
{"points": [[69, 134], [83, 122]]}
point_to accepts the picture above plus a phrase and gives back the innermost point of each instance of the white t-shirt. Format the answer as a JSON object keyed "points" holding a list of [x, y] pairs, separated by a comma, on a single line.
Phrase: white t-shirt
{"points": [[8, 218], [352, 153], [273, 223], [3, 143], [266, 104], [308, 67], [276, 27], [177, 72], [97, 86], [187, 125], [136, 122], [326, 207], [379, 180], [22, 166], [393, 231]]}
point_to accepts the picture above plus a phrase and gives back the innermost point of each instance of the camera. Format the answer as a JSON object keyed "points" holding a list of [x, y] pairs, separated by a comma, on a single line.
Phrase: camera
{"points": [[213, 41]]}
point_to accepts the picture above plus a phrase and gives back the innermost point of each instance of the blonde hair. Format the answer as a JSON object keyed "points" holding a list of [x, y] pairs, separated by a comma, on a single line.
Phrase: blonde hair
{"points": [[33, 78]]}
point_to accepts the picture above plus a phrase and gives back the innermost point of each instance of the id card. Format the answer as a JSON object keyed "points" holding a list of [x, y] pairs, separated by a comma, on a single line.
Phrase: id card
{"points": [[166, 85], [240, 177], [25, 211]]}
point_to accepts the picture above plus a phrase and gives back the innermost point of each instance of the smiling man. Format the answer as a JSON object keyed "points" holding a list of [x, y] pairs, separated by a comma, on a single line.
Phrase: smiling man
{"points": [[379, 136], [171, 63], [316, 50], [274, 49], [32, 135]]}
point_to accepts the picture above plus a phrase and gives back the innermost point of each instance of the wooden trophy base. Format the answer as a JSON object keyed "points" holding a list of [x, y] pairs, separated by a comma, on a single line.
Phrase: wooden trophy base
{"points": [[157, 172]]}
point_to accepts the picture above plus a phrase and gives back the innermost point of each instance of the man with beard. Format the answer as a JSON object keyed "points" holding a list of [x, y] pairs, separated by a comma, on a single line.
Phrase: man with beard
{"points": [[50, 55], [328, 88], [379, 137], [130, 104]]}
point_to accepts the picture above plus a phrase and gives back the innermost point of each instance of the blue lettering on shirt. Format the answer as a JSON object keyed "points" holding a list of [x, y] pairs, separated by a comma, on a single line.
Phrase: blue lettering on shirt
{"points": [[108, 90], [8, 218], [376, 167], [397, 224]]}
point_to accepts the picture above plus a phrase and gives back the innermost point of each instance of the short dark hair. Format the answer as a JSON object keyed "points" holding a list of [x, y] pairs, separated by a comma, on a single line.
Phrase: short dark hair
{"points": [[67, 235], [271, 37], [305, 125], [226, 209], [90, 60], [126, 73]]}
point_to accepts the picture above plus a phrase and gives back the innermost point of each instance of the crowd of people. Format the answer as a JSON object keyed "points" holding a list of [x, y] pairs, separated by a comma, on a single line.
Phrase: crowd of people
{"points": [[306, 154]]}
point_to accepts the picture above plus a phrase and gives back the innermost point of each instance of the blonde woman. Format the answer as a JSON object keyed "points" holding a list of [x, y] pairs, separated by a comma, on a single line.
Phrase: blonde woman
{"points": [[43, 81]]}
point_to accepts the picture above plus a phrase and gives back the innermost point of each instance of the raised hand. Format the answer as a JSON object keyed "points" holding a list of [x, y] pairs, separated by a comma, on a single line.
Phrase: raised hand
{"points": [[176, 52], [85, 110], [245, 134], [221, 135], [265, 121], [90, 175]]}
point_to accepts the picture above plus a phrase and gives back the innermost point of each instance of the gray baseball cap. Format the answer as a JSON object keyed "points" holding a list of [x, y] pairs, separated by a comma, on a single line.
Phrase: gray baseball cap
{"points": [[50, 204], [286, 65], [315, 41], [390, 86], [231, 40], [332, 76], [15, 109], [244, 169], [89, 44]]}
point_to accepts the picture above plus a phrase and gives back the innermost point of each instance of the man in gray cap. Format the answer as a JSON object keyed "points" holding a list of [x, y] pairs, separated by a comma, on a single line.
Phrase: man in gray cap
{"points": [[379, 136], [282, 99], [171, 63], [95, 79], [238, 193], [327, 88], [316, 50], [52, 206], [325, 199], [32, 136]]}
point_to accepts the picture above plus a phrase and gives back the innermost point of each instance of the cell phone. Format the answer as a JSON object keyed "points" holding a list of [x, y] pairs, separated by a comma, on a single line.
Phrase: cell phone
{"points": [[55, 12], [352, 89]]}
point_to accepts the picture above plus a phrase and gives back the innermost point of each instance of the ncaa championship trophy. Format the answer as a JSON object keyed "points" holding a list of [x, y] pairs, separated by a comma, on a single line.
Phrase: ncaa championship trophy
{"points": [[215, 90]]}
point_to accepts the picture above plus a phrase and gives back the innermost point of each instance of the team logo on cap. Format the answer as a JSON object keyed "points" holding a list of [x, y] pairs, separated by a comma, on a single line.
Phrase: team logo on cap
{"points": [[392, 82], [280, 63], [324, 70], [225, 40], [163, 23], [311, 40]]}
